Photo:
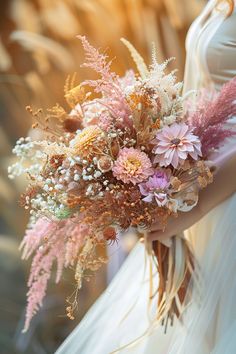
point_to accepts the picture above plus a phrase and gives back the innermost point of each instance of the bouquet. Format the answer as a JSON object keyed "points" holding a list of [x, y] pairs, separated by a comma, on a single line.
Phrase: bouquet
{"points": [[126, 153]]}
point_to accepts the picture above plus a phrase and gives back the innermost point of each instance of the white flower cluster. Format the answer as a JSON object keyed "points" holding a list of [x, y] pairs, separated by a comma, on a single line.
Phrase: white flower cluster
{"points": [[47, 205], [115, 133], [30, 159], [90, 171], [167, 91]]}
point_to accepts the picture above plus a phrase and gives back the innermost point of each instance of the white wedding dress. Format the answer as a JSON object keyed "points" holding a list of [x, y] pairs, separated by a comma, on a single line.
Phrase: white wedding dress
{"points": [[121, 321]]}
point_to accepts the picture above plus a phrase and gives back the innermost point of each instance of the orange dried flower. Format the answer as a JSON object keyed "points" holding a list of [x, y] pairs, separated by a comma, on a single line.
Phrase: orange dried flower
{"points": [[29, 194], [136, 98], [110, 233], [56, 160]]}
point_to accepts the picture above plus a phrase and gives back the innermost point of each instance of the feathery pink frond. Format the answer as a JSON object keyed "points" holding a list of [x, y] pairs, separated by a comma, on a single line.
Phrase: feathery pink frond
{"points": [[214, 137], [210, 117], [100, 64], [109, 84], [52, 241], [77, 232], [94, 59], [34, 236], [35, 296], [40, 273]]}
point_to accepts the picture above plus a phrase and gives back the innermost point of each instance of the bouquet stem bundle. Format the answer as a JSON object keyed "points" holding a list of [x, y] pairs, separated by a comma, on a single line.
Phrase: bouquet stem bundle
{"points": [[175, 267]]}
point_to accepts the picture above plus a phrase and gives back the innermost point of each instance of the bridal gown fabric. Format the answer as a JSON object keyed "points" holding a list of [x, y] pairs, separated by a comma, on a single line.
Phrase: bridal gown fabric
{"points": [[122, 320]]}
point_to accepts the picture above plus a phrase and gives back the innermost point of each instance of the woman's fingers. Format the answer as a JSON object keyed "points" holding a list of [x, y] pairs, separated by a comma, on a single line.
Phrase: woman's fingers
{"points": [[156, 227], [156, 235], [161, 237], [167, 242]]}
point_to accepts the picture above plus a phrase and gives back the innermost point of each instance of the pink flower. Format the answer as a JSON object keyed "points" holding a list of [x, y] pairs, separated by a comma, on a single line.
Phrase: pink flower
{"points": [[174, 143], [156, 188], [132, 166]]}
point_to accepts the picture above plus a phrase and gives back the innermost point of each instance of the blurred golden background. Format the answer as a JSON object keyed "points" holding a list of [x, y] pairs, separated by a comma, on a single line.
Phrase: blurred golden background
{"points": [[38, 49]]}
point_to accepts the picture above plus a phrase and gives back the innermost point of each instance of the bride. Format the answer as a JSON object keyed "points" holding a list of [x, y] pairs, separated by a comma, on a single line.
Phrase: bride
{"points": [[123, 319]]}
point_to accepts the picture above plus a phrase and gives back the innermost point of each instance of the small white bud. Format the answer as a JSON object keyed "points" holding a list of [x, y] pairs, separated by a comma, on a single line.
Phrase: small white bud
{"points": [[76, 177], [97, 174]]}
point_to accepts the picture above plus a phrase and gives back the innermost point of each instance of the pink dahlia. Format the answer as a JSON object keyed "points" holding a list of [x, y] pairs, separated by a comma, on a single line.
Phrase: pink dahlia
{"points": [[174, 143], [132, 166], [156, 188]]}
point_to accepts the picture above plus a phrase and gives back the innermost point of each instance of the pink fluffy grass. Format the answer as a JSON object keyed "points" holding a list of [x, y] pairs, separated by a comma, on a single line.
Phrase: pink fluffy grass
{"points": [[210, 117], [50, 242]]}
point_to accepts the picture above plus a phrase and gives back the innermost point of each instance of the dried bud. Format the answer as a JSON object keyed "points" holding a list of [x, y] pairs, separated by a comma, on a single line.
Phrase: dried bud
{"points": [[176, 183], [56, 160], [110, 233], [71, 124], [135, 195], [115, 148], [105, 164]]}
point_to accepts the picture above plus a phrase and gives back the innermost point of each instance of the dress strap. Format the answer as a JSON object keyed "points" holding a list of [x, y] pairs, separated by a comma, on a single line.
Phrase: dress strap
{"points": [[206, 25]]}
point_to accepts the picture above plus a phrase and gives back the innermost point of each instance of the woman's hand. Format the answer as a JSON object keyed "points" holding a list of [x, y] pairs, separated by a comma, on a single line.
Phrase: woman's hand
{"points": [[223, 186], [175, 225]]}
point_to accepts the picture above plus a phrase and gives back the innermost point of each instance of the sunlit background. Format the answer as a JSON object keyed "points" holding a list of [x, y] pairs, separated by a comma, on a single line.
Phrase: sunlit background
{"points": [[38, 49]]}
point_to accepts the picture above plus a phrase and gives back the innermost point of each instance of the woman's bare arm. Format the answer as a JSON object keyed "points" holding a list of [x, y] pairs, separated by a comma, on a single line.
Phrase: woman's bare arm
{"points": [[223, 185]]}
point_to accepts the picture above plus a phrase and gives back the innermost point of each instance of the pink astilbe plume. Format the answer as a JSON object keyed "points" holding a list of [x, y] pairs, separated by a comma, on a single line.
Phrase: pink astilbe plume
{"points": [[40, 273], [109, 83], [105, 121], [100, 64], [77, 232], [60, 242], [210, 117], [34, 237]]}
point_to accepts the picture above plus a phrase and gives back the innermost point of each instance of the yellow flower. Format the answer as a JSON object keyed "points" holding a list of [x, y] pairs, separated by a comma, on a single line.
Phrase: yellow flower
{"points": [[90, 142]]}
